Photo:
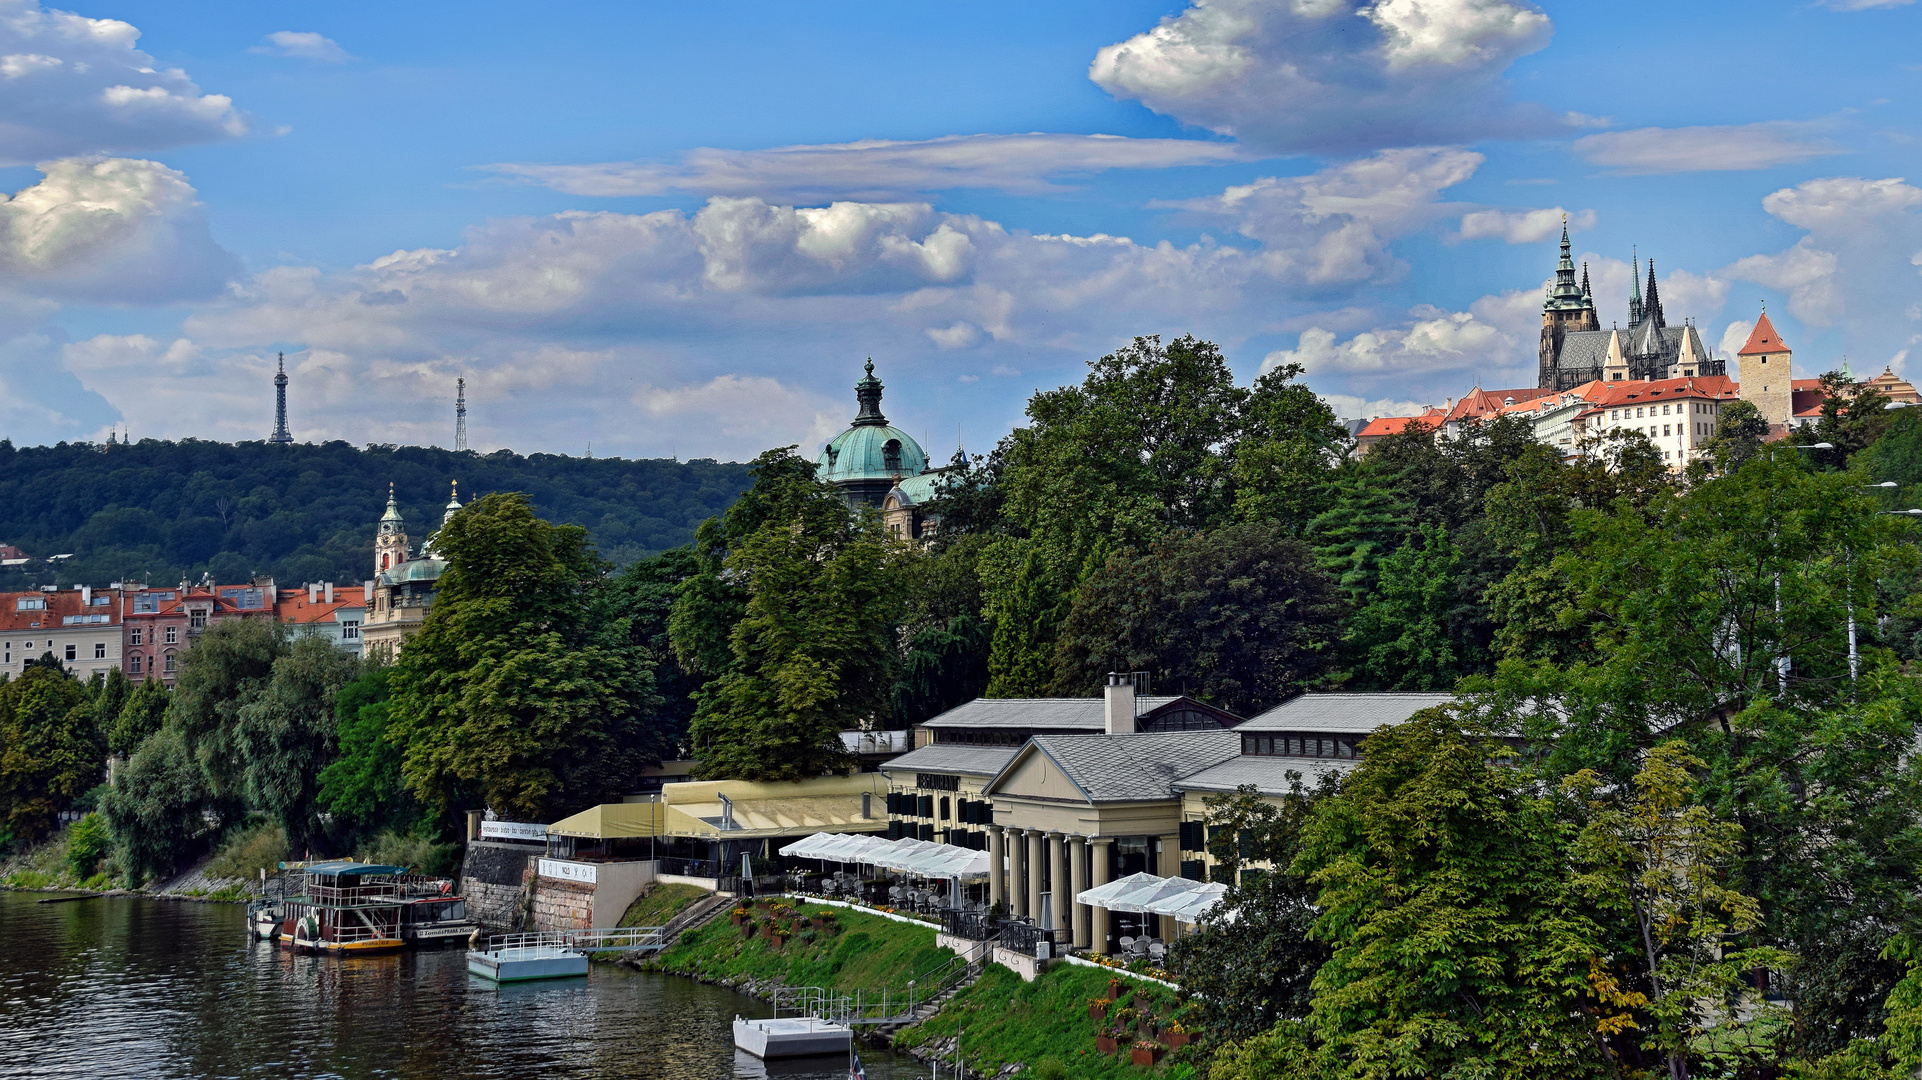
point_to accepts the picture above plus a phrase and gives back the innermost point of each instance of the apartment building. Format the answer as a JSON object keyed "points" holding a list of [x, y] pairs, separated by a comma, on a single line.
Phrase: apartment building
{"points": [[79, 626]]}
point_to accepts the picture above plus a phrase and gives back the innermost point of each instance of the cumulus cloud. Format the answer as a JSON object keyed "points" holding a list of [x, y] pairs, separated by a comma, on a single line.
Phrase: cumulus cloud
{"points": [[1864, 5], [1334, 75], [1724, 148], [112, 230], [748, 407], [304, 44], [1522, 226], [1354, 407], [880, 168], [1433, 342], [71, 85], [1333, 227]]}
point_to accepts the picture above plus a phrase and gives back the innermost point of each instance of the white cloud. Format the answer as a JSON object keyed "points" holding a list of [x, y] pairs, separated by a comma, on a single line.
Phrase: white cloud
{"points": [[1841, 202], [1734, 336], [71, 85], [1725, 148], [1864, 5], [1523, 226], [304, 44], [1354, 407], [748, 408], [1334, 75], [114, 230], [1433, 342], [880, 168], [1332, 228], [1804, 272]]}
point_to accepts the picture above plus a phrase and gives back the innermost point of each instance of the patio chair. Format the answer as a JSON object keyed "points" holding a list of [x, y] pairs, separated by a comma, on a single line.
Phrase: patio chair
{"points": [[1127, 944], [1157, 951]]}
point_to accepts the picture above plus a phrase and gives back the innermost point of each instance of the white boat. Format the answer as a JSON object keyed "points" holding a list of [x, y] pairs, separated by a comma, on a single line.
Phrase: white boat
{"points": [[263, 920], [527, 962], [791, 1036]]}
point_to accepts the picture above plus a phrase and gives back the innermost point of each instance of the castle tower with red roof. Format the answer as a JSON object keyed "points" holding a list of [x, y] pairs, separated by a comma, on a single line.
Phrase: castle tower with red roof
{"points": [[1764, 366]]}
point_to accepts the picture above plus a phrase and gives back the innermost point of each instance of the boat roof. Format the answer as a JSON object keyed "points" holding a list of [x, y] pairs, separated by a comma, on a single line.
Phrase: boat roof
{"points": [[348, 866]]}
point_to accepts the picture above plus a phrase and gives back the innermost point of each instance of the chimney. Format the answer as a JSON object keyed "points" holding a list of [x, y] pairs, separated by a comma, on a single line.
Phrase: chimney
{"points": [[367, 592], [329, 592], [313, 593], [86, 596], [1120, 714]]}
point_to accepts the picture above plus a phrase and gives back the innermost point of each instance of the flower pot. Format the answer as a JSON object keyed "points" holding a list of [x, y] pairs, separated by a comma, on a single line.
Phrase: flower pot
{"points": [[1097, 1013], [738, 920], [1104, 1044], [1141, 1055], [819, 923], [777, 941], [1114, 989], [1177, 1038], [1141, 1002]]}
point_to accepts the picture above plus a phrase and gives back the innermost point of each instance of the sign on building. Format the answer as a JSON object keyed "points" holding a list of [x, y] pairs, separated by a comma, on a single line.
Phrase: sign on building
{"points": [[513, 830], [569, 871]]}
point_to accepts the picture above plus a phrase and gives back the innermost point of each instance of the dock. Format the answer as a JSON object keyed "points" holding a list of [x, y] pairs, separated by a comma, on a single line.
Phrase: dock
{"points": [[554, 954]]}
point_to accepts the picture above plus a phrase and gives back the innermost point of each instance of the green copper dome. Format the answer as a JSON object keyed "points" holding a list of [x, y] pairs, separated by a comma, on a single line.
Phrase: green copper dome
{"points": [[871, 449]]}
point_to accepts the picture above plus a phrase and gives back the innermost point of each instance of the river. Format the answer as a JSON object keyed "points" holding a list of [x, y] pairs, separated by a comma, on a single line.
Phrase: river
{"points": [[125, 987]]}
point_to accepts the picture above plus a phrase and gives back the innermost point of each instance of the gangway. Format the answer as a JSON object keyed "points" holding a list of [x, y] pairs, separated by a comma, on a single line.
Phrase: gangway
{"points": [[887, 1005]]}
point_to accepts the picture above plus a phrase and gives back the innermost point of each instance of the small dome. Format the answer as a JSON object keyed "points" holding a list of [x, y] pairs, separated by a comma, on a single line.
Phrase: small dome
{"points": [[871, 452], [417, 570]]}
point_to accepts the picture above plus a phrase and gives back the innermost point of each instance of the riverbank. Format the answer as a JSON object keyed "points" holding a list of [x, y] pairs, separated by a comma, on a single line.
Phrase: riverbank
{"points": [[765, 947]]}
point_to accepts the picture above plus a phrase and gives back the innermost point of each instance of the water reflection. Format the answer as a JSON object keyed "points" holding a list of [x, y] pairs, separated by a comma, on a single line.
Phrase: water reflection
{"points": [[139, 988]]}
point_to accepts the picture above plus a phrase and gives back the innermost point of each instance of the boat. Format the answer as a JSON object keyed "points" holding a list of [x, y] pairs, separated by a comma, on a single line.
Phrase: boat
{"points": [[263, 919], [791, 1036], [345, 907], [526, 963]]}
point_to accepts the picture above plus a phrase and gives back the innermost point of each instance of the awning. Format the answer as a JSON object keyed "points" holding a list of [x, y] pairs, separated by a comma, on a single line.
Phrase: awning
{"points": [[921, 857], [610, 821]]}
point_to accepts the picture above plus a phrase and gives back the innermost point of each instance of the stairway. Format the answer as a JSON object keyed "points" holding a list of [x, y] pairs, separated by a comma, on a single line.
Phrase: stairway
{"points": [[933, 1005], [699, 913]]}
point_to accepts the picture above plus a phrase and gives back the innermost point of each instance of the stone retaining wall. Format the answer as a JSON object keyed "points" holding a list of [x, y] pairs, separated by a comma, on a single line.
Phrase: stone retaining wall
{"points": [[562, 905], [493, 878]]}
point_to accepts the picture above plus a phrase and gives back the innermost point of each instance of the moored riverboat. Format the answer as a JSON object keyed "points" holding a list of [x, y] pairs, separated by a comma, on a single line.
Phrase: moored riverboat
{"points": [[347, 907]]}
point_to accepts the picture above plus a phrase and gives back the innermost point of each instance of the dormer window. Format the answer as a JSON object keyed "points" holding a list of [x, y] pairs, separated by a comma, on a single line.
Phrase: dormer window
{"points": [[891, 455], [833, 454]]}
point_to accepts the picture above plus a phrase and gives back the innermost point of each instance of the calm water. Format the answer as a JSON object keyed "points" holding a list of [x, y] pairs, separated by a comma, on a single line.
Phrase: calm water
{"points": [[144, 988]]}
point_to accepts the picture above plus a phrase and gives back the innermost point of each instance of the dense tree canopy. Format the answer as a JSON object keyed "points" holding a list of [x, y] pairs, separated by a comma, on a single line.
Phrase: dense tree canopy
{"points": [[161, 511]]}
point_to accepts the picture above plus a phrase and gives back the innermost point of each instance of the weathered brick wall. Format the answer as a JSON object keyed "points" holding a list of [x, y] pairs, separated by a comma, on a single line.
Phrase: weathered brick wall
{"points": [[562, 905], [492, 878]]}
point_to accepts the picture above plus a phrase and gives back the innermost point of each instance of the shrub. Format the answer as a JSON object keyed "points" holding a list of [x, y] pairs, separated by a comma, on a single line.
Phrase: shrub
{"points": [[87, 844], [418, 853], [1050, 1068], [249, 850]]}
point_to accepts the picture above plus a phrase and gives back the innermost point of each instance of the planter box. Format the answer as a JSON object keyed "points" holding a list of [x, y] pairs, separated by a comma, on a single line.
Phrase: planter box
{"points": [[777, 940], [1177, 1038], [1114, 990], [1143, 1057], [1104, 1044], [819, 923], [738, 920], [1097, 1013]]}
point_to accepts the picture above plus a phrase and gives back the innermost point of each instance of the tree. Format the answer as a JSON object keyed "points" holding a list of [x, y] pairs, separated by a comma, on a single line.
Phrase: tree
{"points": [[1854, 416], [1399, 638], [946, 641], [49, 750], [1658, 858], [224, 671], [1250, 962], [155, 808], [1739, 431], [1239, 617], [364, 784], [635, 609], [1363, 524], [507, 689], [812, 652], [1289, 442], [286, 734], [1457, 947], [140, 717]]}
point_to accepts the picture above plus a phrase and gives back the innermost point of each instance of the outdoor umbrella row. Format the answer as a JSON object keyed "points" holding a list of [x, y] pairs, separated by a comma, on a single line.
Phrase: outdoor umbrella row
{"points": [[921, 857], [1180, 898]]}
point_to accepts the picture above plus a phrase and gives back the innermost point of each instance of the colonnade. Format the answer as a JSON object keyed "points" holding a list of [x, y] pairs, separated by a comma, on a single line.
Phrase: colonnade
{"points": [[1075, 863]]}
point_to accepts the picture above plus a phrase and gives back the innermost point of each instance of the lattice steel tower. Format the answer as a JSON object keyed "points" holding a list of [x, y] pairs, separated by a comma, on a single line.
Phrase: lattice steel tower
{"points": [[460, 414], [281, 434]]}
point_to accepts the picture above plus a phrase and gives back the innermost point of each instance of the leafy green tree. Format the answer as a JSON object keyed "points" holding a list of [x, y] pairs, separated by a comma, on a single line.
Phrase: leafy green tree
{"points": [[155, 808], [509, 689], [1853, 417], [1250, 962], [223, 672], [1364, 523], [364, 783], [140, 717], [286, 734], [812, 653], [1457, 947], [1289, 442], [1239, 617], [88, 842], [946, 640], [50, 751], [1399, 638], [635, 609], [1658, 859], [1739, 431], [1025, 601]]}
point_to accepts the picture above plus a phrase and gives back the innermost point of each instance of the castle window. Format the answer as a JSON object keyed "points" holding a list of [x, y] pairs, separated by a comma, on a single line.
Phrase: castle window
{"points": [[891, 455], [173, 635], [172, 664]]}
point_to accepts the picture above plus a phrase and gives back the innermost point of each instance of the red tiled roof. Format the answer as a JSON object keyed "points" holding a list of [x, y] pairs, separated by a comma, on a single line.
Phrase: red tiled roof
{"points": [[1763, 339], [294, 607], [1481, 402], [60, 606]]}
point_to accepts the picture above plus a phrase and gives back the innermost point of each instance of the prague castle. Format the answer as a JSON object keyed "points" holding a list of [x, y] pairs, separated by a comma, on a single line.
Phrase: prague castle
{"points": [[1576, 350]]}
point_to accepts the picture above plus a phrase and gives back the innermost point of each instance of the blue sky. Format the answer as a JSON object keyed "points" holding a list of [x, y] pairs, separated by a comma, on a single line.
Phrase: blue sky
{"points": [[679, 229]]}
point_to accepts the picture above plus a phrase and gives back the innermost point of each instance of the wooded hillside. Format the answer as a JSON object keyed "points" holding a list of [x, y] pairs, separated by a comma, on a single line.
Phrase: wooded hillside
{"points": [[158, 510]]}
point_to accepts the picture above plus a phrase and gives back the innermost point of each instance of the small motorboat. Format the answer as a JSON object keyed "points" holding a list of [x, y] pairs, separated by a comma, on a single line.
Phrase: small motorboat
{"points": [[263, 920]]}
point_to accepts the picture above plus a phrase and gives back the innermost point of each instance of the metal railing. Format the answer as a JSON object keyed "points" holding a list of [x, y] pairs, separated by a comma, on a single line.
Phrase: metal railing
{"points": [[1023, 937], [627, 938], [886, 1005]]}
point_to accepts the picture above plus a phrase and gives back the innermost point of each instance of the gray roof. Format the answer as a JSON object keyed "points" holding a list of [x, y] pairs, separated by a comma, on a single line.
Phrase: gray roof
{"points": [[1134, 768], [1067, 714], [1345, 714], [953, 758], [1269, 775]]}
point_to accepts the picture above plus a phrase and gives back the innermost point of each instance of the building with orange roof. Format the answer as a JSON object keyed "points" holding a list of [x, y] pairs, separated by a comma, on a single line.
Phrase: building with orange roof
{"points": [[319, 610], [160, 625], [1381, 427], [79, 626], [1575, 349], [1894, 387], [1768, 381], [1676, 415]]}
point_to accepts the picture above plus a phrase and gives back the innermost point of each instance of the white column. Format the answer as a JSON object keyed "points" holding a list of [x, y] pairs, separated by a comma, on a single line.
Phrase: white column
{"points": [[1017, 874], [1078, 882], [997, 872], [1062, 897], [1034, 874], [1098, 934]]}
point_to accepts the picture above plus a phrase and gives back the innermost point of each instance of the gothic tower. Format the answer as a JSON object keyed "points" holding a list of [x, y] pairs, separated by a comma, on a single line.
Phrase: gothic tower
{"points": [[1568, 307], [1764, 365], [390, 543], [281, 434]]}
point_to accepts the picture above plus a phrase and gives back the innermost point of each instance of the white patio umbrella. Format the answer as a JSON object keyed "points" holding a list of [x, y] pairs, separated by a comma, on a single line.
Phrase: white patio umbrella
{"points": [[1102, 896]]}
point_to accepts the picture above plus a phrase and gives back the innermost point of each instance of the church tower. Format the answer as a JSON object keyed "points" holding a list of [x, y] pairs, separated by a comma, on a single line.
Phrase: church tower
{"points": [[1568, 307], [1764, 372], [390, 543], [281, 434]]}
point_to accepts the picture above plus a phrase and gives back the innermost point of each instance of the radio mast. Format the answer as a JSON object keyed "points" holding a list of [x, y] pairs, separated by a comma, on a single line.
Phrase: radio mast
{"points": [[460, 414]]}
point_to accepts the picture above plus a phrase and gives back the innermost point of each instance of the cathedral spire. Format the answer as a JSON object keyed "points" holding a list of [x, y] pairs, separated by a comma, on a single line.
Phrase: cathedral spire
{"points": [[1634, 288], [1588, 294], [1652, 303], [1564, 294]]}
